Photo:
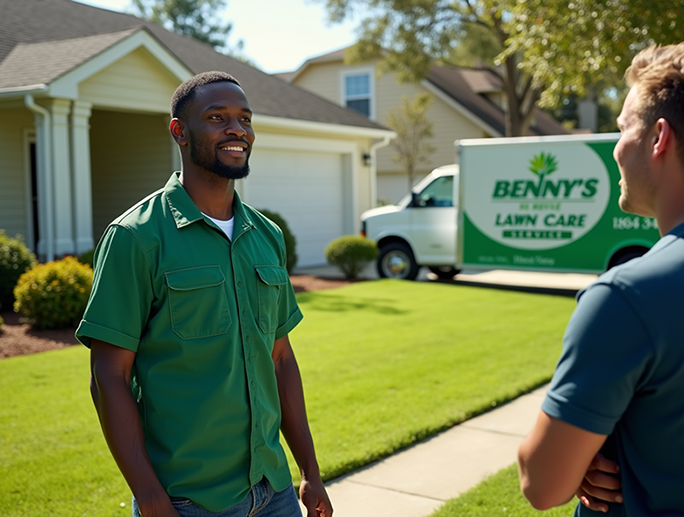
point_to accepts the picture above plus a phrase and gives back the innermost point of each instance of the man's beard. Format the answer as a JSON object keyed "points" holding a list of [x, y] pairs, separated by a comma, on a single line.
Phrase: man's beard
{"points": [[202, 158]]}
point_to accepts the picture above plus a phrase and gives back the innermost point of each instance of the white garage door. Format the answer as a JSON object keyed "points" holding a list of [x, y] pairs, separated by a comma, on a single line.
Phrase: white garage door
{"points": [[307, 189]]}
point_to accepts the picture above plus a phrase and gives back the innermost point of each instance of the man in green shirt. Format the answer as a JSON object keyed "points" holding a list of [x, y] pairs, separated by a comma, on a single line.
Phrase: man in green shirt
{"points": [[193, 376]]}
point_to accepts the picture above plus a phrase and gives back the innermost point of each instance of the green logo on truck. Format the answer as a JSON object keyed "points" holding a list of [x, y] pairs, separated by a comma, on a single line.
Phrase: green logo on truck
{"points": [[542, 165], [541, 201]]}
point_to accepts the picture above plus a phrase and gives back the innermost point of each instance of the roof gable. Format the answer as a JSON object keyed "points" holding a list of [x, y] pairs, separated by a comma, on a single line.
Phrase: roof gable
{"points": [[465, 88], [42, 21]]}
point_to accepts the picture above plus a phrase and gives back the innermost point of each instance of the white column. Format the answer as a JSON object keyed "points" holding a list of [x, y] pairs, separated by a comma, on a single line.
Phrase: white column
{"points": [[61, 168], [82, 182]]}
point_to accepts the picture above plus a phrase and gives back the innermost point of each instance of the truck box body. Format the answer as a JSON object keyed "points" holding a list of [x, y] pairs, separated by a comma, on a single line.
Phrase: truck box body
{"points": [[545, 203], [537, 203]]}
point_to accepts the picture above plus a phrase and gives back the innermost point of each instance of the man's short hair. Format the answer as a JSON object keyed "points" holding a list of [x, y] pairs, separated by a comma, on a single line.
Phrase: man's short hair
{"points": [[657, 75], [187, 90]]}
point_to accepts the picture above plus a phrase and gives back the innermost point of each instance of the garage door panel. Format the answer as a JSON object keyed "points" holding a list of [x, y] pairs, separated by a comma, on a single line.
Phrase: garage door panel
{"points": [[306, 188]]}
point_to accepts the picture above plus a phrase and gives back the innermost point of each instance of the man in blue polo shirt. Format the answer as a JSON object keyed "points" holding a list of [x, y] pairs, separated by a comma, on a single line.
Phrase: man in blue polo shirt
{"points": [[619, 384], [193, 376]]}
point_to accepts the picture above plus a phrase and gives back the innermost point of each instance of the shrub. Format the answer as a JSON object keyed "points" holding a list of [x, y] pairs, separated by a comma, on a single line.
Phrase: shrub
{"points": [[87, 257], [290, 241], [54, 295], [2, 322], [351, 253], [15, 259]]}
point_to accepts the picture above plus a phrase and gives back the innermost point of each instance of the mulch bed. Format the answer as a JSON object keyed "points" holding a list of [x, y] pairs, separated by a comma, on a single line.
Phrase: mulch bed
{"points": [[17, 338]]}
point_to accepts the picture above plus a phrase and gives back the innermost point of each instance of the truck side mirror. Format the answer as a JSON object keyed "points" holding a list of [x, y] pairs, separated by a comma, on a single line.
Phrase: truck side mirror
{"points": [[415, 199]]}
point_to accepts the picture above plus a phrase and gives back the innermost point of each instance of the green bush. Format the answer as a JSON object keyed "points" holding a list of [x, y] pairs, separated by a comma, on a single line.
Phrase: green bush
{"points": [[54, 295], [15, 259], [351, 253], [2, 322], [290, 241], [87, 257]]}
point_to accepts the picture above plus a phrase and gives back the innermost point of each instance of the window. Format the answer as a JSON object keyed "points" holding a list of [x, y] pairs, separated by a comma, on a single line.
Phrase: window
{"points": [[357, 92], [438, 193]]}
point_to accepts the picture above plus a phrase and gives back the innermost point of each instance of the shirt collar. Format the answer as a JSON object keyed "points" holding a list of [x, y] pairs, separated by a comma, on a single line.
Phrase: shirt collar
{"points": [[185, 212]]}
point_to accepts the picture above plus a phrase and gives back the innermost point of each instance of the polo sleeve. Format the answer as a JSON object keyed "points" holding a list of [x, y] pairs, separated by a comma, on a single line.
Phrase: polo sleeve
{"points": [[606, 350], [119, 304]]}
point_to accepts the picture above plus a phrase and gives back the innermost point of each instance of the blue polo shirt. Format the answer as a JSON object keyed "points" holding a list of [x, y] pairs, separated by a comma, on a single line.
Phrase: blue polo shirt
{"points": [[621, 374]]}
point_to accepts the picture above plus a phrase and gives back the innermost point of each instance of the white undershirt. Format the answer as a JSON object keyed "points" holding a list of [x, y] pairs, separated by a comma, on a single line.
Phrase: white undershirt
{"points": [[226, 226]]}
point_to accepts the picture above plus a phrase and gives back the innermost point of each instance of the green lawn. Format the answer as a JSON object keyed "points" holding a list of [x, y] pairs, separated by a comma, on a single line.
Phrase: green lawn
{"points": [[499, 495], [384, 364]]}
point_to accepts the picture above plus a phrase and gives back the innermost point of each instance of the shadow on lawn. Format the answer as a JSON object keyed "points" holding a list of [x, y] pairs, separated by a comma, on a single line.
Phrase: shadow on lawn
{"points": [[342, 303]]}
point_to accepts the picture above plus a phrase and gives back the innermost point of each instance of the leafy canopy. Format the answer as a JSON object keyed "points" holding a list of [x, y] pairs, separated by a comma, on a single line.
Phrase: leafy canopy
{"points": [[198, 19]]}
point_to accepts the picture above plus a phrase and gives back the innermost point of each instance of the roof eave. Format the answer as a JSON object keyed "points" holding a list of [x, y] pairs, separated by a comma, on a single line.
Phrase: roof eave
{"points": [[322, 127], [20, 91]]}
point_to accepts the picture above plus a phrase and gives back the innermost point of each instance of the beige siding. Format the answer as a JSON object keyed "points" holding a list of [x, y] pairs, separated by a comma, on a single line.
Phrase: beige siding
{"points": [[14, 170], [131, 157], [135, 82], [448, 123], [323, 80]]}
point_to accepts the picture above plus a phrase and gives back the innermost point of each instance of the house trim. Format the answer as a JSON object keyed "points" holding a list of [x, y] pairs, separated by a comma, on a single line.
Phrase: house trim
{"points": [[66, 86]]}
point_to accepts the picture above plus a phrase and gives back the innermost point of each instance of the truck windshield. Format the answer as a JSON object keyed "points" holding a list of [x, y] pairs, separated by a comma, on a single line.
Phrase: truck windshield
{"points": [[438, 193]]}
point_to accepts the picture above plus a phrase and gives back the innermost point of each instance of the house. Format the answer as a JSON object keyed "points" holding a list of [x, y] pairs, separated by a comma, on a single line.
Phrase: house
{"points": [[467, 103], [84, 102]]}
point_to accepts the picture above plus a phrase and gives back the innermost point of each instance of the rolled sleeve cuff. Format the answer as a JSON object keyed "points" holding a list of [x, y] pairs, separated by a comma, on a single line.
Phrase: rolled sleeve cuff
{"points": [[559, 407], [290, 324], [88, 331]]}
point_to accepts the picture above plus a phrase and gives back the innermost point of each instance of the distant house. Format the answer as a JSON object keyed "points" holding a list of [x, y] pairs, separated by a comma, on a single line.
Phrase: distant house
{"points": [[84, 102], [468, 103]]}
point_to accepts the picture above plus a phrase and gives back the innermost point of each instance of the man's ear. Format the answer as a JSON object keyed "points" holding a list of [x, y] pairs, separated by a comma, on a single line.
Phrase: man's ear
{"points": [[662, 137], [178, 131]]}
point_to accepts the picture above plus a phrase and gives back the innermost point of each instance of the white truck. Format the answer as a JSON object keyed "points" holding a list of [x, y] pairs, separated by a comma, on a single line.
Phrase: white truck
{"points": [[529, 203]]}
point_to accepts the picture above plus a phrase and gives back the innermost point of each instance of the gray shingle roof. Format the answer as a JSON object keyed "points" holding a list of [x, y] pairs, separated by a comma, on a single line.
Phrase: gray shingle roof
{"points": [[40, 63], [46, 22], [465, 86]]}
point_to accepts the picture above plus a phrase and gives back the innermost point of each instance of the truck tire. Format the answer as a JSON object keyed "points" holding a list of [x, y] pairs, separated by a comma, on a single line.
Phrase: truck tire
{"points": [[626, 254], [444, 272], [396, 260]]}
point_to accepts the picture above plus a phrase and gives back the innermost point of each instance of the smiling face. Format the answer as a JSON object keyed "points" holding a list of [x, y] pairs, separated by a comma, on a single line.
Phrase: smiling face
{"points": [[220, 134], [631, 153]]}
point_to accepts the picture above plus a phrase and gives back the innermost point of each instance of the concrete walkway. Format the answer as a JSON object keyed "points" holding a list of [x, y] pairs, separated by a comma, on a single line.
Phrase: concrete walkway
{"points": [[418, 480]]}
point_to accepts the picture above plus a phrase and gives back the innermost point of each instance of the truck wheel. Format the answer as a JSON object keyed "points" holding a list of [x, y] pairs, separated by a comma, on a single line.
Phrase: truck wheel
{"points": [[626, 254], [396, 261], [444, 272]]}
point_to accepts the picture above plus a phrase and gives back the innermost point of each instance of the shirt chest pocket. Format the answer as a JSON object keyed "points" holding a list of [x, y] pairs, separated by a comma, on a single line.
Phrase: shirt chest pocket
{"points": [[271, 281], [198, 302]]}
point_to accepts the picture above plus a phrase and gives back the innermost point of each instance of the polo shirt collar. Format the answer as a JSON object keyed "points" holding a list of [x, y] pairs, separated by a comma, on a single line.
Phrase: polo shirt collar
{"points": [[185, 212]]}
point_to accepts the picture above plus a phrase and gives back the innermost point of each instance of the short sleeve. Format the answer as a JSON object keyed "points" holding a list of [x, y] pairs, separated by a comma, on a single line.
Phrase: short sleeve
{"points": [[120, 302], [606, 349], [289, 314]]}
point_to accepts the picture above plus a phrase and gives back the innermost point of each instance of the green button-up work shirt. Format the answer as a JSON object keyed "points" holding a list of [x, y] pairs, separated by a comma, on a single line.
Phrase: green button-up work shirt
{"points": [[202, 314]]}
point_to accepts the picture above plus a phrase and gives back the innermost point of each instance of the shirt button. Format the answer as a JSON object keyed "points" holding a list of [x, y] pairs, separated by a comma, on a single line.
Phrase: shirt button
{"points": [[239, 284]]}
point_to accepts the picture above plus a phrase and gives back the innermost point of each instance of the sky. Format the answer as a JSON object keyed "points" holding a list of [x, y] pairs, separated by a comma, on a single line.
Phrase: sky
{"points": [[278, 35]]}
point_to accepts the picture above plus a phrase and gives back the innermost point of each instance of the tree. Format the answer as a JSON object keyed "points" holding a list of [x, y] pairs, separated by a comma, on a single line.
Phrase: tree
{"points": [[413, 128], [549, 48], [197, 19]]}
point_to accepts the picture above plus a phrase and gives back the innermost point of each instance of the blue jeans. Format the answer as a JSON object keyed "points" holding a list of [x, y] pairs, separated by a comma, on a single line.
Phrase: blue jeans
{"points": [[262, 501]]}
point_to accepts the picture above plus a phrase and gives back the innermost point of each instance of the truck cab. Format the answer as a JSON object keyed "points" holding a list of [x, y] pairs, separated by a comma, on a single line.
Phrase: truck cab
{"points": [[420, 230]]}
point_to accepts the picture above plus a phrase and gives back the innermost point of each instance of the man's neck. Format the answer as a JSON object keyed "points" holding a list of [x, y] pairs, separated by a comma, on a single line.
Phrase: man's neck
{"points": [[212, 194]]}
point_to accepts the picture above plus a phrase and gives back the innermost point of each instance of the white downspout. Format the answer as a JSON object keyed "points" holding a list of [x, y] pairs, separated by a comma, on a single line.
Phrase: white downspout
{"points": [[45, 154], [374, 168]]}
